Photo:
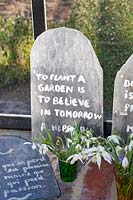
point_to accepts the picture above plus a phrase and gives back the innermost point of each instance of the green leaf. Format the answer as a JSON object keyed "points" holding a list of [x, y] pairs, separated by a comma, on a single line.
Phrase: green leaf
{"points": [[49, 136]]}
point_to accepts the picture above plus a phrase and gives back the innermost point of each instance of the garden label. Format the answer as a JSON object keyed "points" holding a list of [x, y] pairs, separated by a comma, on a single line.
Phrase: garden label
{"points": [[66, 82], [123, 99]]}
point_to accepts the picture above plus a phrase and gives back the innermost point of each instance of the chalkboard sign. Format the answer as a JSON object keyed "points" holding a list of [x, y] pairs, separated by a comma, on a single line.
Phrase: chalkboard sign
{"points": [[24, 173], [66, 82], [123, 100]]}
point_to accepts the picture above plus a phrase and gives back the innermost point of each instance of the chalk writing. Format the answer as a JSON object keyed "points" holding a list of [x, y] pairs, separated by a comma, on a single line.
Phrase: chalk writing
{"points": [[66, 83], [8, 152], [72, 84], [28, 181], [75, 114], [71, 101], [55, 88], [123, 100], [60, 78], [24, 171], [128, 95], [22, 198], [128, 83], [64, 127]]}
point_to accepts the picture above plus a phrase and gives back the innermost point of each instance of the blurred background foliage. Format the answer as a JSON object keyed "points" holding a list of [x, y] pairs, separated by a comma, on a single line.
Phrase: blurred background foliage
{"points": [[108, 24], [15, 44]]}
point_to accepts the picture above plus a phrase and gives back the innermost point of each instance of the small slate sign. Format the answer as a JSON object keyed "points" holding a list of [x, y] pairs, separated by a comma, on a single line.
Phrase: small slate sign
{"points": [[24, 173], [123, 99], [66, 82]]}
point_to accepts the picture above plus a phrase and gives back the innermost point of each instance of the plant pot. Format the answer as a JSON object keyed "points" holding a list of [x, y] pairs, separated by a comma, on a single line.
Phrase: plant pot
{"points": [[67, 171], [124, 186]]}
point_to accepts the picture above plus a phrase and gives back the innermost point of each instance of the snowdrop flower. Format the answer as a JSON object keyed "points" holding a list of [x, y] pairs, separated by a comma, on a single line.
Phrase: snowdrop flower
{"points": [[74, 158], [83, 138], [93, 138], [107, 157], [126, 148], [78, 146], [84, 155], [130, 145], [114, 138], [82, 129], [89, 134], [96, 153], [70, 129], [34, 145], [91, 151], [88, 143], [68, 141], [131, 136], [43, 149], [118, 149], [96, 159], [125, 162]]}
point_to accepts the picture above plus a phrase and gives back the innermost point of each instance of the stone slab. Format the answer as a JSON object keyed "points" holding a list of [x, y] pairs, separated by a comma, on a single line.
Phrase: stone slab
{"points": [[123, 100], [24, 173], [66, 82]]}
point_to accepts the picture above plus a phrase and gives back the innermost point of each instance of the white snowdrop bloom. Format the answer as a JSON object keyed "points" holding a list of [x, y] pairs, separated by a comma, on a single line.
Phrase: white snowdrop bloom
{"points": [[95, 159], [74, 158], [92, 150], [118, 149], [131, 135], [89, 134], [114, 138], [88, 143], [93, 138], [78, 146], [98, 160], [84, 155], [43, 149], [107, 157], [82, 129], [83, 138], [70, 129], [34, 145], [91, 154], [130, 146], [69, 141], [126, 148], [125, 162], [96, 153]]}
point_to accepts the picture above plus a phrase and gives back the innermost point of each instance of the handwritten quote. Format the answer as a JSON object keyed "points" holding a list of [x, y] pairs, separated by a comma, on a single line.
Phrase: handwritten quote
{"points": [[32, 176], [65, 93], [128, 95]]}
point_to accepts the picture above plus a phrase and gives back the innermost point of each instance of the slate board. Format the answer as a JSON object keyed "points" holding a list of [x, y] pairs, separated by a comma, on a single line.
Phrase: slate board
{"points": [[122, 119], [24, 173], [66, 82]]}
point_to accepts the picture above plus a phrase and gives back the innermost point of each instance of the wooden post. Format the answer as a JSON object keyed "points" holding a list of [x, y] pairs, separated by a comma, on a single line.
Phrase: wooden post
{"points": [[39, 17]]}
